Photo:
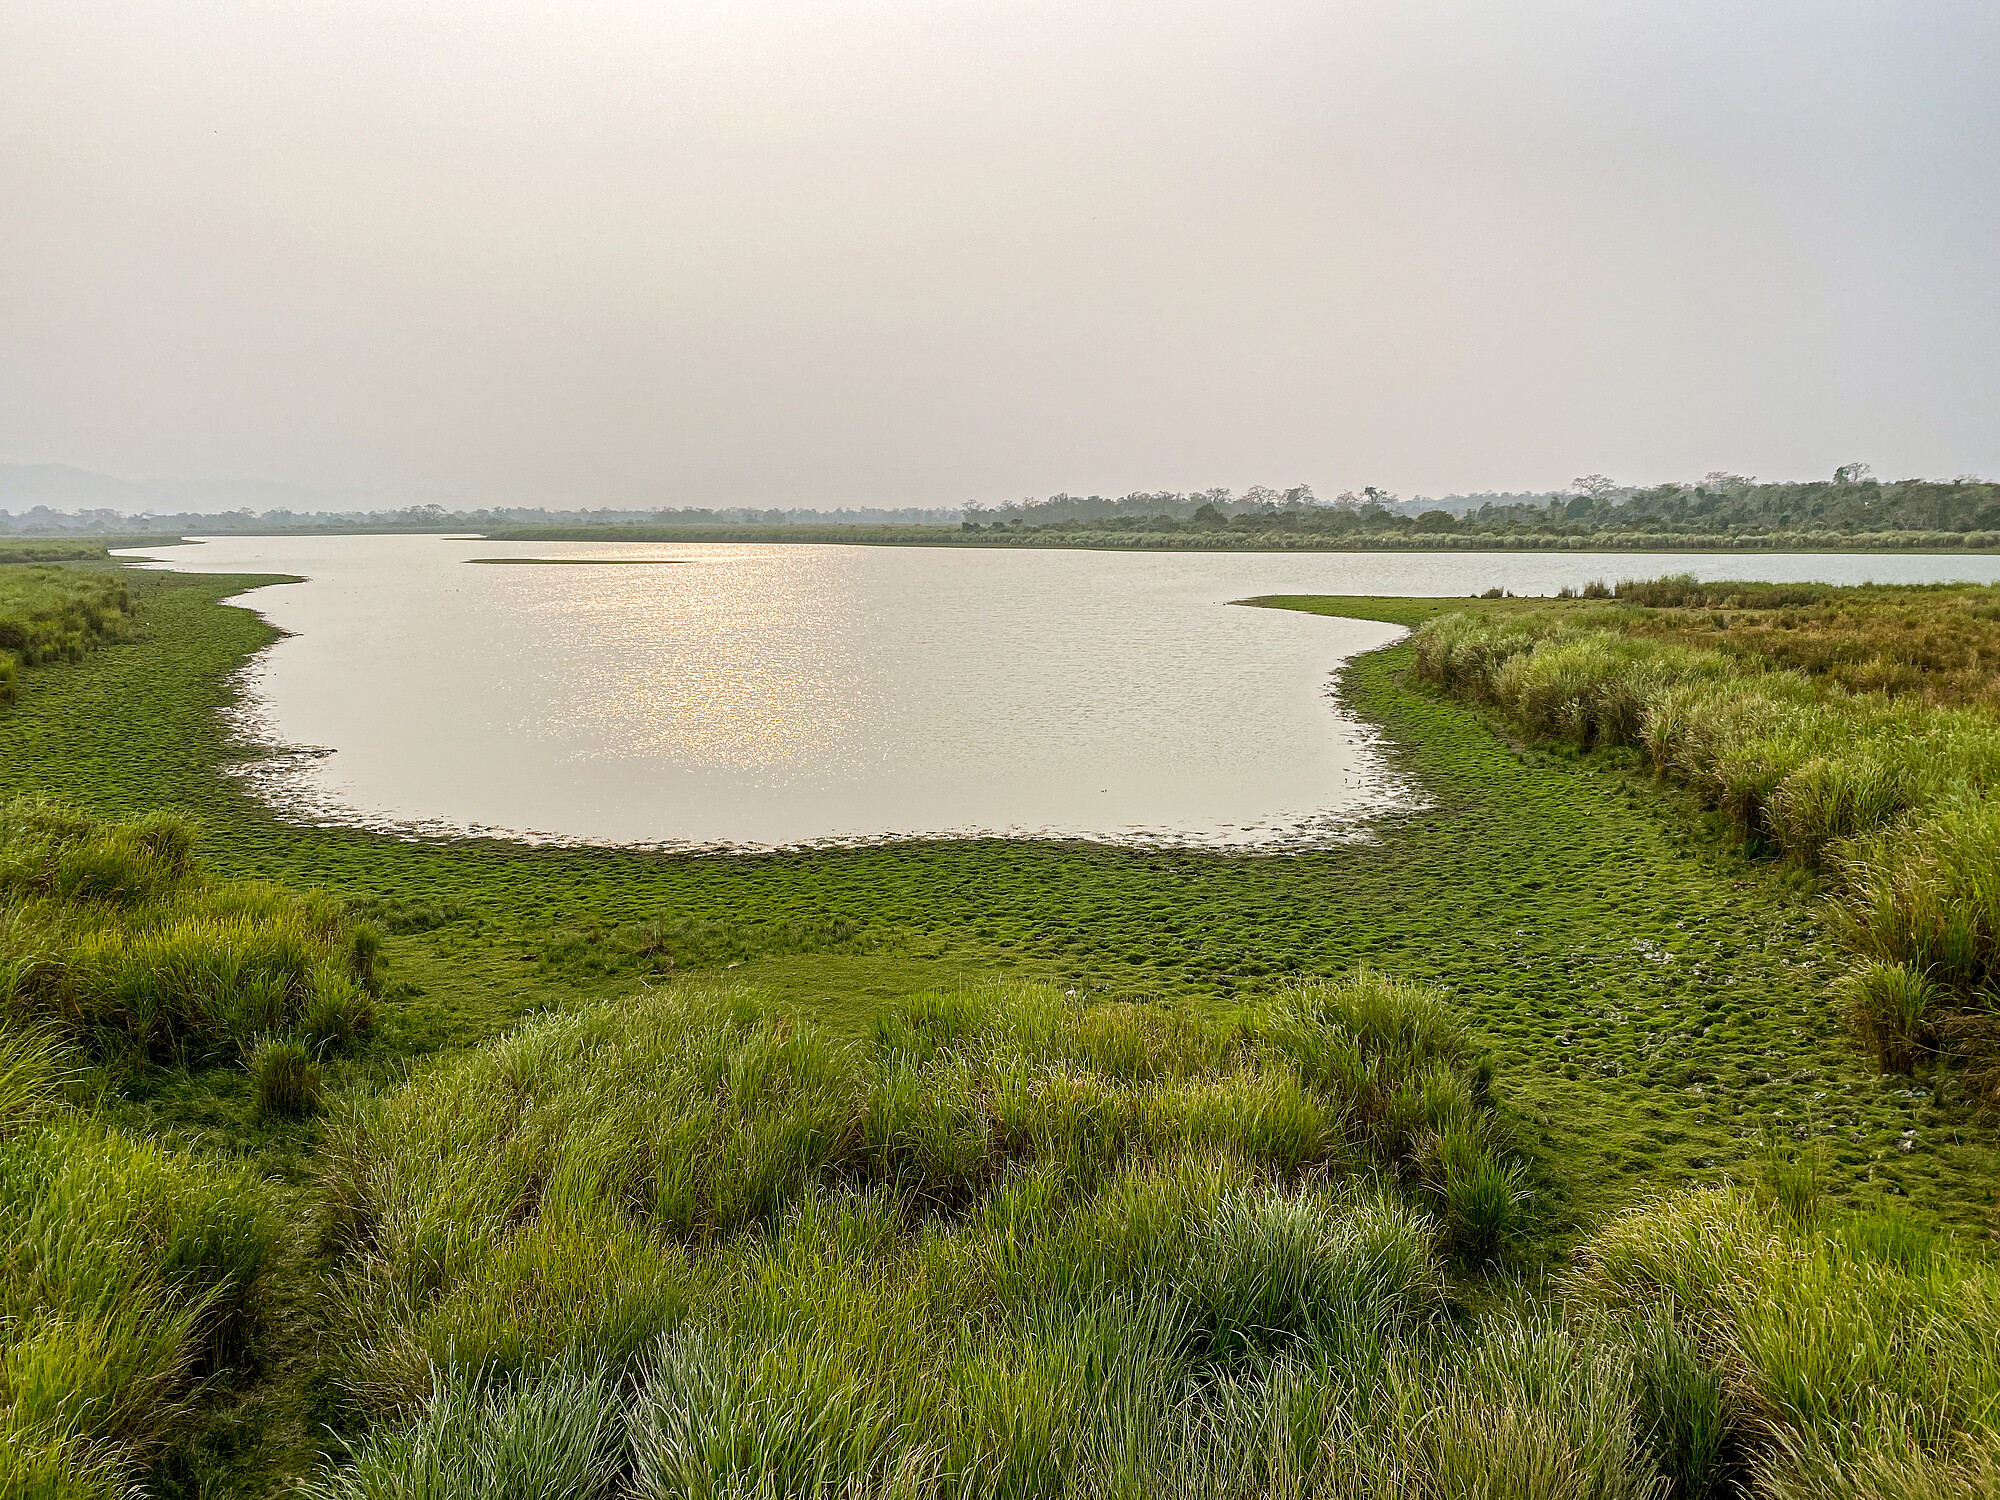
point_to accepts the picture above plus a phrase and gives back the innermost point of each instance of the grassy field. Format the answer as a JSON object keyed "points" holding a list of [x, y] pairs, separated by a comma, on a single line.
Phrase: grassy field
{"points": [[56, 614], [1849, 732], [1651, 1001]]}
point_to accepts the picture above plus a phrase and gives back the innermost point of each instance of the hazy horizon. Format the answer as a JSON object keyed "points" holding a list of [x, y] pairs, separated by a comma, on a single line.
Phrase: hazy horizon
{"points": [[824, 255]]}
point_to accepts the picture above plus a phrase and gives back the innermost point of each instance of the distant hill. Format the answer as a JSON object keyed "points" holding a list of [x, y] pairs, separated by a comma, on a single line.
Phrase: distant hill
{"points": [[60, 487]]}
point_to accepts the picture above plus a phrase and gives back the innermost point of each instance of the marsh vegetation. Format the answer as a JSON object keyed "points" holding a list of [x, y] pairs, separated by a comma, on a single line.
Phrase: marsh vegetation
{"points": [[1496, 1157], [55, 614], [1850, 732]]}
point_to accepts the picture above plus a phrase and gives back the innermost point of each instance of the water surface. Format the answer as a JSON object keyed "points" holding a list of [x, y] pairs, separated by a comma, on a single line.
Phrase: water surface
{"points": [[778, 694]]}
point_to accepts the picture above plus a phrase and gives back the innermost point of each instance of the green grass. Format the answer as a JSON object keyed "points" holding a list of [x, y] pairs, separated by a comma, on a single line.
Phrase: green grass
{"points": [[130, 1275], [112, 938], [55, 614], [1652, 1002], [1874, 765]]}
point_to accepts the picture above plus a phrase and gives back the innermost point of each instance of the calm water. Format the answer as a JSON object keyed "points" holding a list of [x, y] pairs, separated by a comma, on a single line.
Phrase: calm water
{"points": [[783, 694]]}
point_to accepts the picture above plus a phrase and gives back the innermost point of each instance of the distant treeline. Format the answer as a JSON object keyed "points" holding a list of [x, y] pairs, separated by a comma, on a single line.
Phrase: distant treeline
{"points": [[42, 521], [1720, 505], [1726, 509]]}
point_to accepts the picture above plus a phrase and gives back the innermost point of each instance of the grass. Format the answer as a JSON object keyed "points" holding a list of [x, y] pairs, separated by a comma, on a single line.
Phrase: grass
{"points": [[130, 1275], [1850, 731], [111, 937], [976, 1237], [55, 614], [1853, 1357]]}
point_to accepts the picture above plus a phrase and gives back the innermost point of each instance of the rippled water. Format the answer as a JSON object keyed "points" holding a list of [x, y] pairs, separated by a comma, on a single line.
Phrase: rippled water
{"points": [[772, 694]]}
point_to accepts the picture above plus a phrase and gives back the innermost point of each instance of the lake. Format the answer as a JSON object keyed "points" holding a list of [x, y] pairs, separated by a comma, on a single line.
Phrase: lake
{"points": [[776, 694]]}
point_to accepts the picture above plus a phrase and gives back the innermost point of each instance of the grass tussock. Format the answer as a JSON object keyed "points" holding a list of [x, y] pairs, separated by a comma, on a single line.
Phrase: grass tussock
{"points": [[1850, 730], [1855, 1356], [130, 1273], [1008, 1245], [1049, 1284], [111, 935], [583, 1181]]}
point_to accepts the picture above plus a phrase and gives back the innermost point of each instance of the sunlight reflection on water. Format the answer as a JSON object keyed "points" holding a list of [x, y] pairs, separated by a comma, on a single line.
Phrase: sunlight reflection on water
{"points": [[776, 694]]}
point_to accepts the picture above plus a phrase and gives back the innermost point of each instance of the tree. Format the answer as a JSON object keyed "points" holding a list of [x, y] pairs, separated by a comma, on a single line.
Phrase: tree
{"points": [[1596, 486], [1852, 473]]}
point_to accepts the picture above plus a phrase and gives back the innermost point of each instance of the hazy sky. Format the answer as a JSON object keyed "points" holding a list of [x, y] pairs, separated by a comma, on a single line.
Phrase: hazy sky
{"points": [[658, 252]]}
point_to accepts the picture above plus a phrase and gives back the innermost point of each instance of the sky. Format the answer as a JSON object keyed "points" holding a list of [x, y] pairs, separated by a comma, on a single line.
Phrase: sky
{"points": [[674, 252]]}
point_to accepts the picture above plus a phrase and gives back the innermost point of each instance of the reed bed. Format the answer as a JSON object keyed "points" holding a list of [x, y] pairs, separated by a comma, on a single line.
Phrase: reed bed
{"points": [[110, 934], [1886, 793]]}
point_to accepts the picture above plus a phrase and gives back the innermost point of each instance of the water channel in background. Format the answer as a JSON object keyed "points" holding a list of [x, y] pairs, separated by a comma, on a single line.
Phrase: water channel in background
{"points": [[770, 694]]}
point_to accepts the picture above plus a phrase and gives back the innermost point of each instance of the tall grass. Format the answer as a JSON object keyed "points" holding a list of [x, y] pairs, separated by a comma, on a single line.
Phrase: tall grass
{"points": [[644, 1136], [1857, 1356], [1007, 1244], [129, 1268], [1889, 795], [56, 614], [111, 934], [1012, 1245]]}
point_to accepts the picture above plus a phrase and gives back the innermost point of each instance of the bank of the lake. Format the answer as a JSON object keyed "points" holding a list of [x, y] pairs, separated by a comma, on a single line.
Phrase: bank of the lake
{"points": [[1657, 1004]]}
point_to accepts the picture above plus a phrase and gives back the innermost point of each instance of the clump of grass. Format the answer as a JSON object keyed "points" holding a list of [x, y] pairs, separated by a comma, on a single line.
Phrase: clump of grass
{"points": [[30, 1077], [286, 1079], [559, 1437], [574, 1184], [1888, 794], [112, 936], [57, 614], [1845, 1345], [1890, 1005], [1681, 1409], [129, 1266]]}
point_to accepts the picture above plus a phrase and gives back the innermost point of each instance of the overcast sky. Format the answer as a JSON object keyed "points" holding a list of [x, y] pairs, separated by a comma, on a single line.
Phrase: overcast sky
{"points": [[658, 252]]}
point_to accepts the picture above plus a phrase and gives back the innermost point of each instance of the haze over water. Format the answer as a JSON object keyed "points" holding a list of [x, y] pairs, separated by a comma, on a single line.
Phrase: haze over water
{"points": [[777, 694]]}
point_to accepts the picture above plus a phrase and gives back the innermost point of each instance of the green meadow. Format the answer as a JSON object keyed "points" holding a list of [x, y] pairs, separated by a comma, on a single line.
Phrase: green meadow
{"points": [[1613, 1121]]}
